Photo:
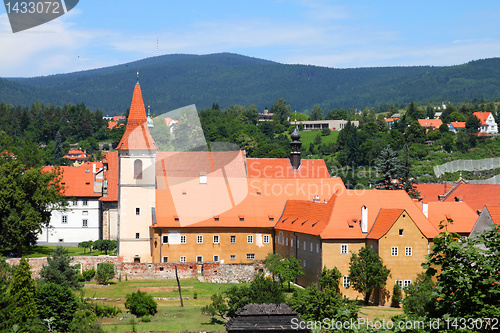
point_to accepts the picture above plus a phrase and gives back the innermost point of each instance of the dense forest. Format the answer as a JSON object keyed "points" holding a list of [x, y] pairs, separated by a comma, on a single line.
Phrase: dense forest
{"points": [[173, 81]]}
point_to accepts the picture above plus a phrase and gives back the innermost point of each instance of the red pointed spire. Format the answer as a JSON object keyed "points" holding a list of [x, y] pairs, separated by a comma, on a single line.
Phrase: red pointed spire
{"points": [[137, 136]]}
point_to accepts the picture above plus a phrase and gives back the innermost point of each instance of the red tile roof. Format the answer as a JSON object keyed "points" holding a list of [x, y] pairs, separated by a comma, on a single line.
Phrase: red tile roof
{"points": [[482, 116], [494, 211], [78, 181], [475, 195], [76, 155], [346, 212], [464, 218], [137, 136], [111, 175], [281, 168], [458, 124], [432, 123], [384, 222], [228, 198]]}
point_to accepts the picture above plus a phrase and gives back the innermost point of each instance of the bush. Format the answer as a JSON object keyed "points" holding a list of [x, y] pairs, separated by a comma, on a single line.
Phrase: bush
{"points": [[140, 304], [396, 296], [105, 272], [146, 319], [59, 270], [85, 322], [102, 310], [88, 274], [56, 301]]}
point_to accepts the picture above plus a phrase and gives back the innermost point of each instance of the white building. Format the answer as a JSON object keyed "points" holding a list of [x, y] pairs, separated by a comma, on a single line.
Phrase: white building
{"points": [[488, 124], [81, 221]]}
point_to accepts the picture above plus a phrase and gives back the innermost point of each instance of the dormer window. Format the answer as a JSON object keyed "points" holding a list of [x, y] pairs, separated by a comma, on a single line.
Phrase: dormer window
{"points": [[137, 169]]}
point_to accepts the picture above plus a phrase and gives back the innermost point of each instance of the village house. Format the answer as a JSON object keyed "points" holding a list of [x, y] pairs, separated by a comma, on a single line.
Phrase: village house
{"points": [[77, 157], [334, 125], [488, 124], [326, 233], [430, 124], [489, 218], [82, 219], [456, 126]]}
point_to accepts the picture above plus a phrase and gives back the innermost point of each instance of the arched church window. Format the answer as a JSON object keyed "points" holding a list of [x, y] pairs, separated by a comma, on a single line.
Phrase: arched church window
{"points": [[137, 169]]}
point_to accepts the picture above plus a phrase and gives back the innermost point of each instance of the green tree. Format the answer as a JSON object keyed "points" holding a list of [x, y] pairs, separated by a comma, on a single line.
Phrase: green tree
{"points": [[58, 302], [367, 272], [6, 303], [415, 133], [316, 113], [86, 245], [28, 198], [105, 245], [418, 295], [289, 269], [272, 262], [58, 149], [317, 139], [430, 112], [59, 270], [281, 112], [140, 304], [330, 279], [406, 181], [396, 296], [413, 112], [105, 272], [85, 321], [472, 124], [388, 166], [22, 292]]}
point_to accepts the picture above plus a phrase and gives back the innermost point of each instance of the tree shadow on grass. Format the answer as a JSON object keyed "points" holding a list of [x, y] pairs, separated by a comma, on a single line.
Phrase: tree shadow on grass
{"points": [[214, 321]]}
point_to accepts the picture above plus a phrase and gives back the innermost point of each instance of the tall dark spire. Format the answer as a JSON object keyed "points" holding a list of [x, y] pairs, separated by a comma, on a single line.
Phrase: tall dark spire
{"points": [[295, 158]]}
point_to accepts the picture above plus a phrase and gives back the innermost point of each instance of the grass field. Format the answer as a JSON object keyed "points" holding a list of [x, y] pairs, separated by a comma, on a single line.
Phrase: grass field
{"points": [[308, 136], [171, 316], [44, 251]]}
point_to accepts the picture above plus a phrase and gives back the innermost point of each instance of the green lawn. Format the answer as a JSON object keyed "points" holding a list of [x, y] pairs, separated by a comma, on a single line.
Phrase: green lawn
{"points": [[44, 251]]}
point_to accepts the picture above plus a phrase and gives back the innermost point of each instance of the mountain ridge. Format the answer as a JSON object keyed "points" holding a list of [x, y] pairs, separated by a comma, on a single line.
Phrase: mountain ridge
{"points": [[172, 81]]}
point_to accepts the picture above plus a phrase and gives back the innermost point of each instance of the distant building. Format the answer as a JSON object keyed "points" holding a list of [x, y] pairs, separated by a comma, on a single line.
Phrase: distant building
{"points": [[265, 115], [488, 124], [77, 157], [334, 125], [456, 126], [430, 124]]}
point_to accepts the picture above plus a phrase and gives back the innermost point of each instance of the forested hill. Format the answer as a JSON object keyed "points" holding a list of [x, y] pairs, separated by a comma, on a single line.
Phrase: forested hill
{"points": [[173, 81]]}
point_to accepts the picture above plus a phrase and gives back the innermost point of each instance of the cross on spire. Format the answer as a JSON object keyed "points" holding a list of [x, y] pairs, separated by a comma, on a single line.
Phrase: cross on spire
{"points": [[137, 77]]}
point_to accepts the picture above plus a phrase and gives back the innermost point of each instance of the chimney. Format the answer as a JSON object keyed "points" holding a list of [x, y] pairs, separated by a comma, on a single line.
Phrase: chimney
{"points": [[425, 209], [364, 219], [295, 149]]}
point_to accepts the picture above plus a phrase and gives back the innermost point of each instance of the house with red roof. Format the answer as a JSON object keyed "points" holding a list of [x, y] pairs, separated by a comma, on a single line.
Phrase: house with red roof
{"points": [[326, 233], [81, 221], [456, 126], [77, 157], [489, 218], [430, 124], [488, 124]]}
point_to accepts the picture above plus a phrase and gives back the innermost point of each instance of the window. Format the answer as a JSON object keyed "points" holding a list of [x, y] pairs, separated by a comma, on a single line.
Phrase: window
{"points": [[183, 259], [266, 238], [343, 249], [291, 242], [203, 179], [64, 219], [75, 202], [216, 258], [242, 219], [250, 256], [137, 235], [183, 239], [233, 239], [407, 283], [317, 248], [199, 259], [137, 169], [249, 239], [165, 259], [298, 244], [165, 240], [85, 223], [394, 251], [232, 257], [216, 239], [304, 263], [345, 282], [408, 251], [399, 283], [286, 241], [85, 202], [305, 246], [311, 247], [137, 211], [199, 239], [400, 232], [85, 212]]}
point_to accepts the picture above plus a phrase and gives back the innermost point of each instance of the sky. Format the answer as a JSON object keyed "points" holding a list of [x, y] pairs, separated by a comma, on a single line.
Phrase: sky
{"points": [[339, 34]]}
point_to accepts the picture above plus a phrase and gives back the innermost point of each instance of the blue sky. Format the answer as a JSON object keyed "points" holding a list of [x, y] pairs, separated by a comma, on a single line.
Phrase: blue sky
{"points": [[341, 34]]}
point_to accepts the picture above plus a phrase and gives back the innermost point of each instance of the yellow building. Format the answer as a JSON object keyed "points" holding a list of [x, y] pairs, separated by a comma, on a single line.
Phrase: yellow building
{"points": [[323, 234]]}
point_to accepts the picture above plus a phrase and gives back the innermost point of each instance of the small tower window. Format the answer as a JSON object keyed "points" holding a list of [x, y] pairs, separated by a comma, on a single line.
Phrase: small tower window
{"points": [[137, 169]]}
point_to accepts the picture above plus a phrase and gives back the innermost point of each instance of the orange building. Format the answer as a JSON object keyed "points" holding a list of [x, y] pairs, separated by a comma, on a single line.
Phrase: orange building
{"points": [[325, 234]]}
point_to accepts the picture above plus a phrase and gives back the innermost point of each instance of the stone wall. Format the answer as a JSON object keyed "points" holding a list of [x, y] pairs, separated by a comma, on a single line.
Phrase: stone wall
{"points": [[210, 271]]}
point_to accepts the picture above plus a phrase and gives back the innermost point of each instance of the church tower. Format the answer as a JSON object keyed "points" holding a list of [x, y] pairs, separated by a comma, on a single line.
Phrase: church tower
{"points": [[137, 184]]}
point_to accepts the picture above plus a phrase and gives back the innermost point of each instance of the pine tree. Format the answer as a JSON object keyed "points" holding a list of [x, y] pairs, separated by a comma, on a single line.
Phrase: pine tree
{"points": [[406, 179], [22, 291], [58, 269], [388, 167], [58, 148]]}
